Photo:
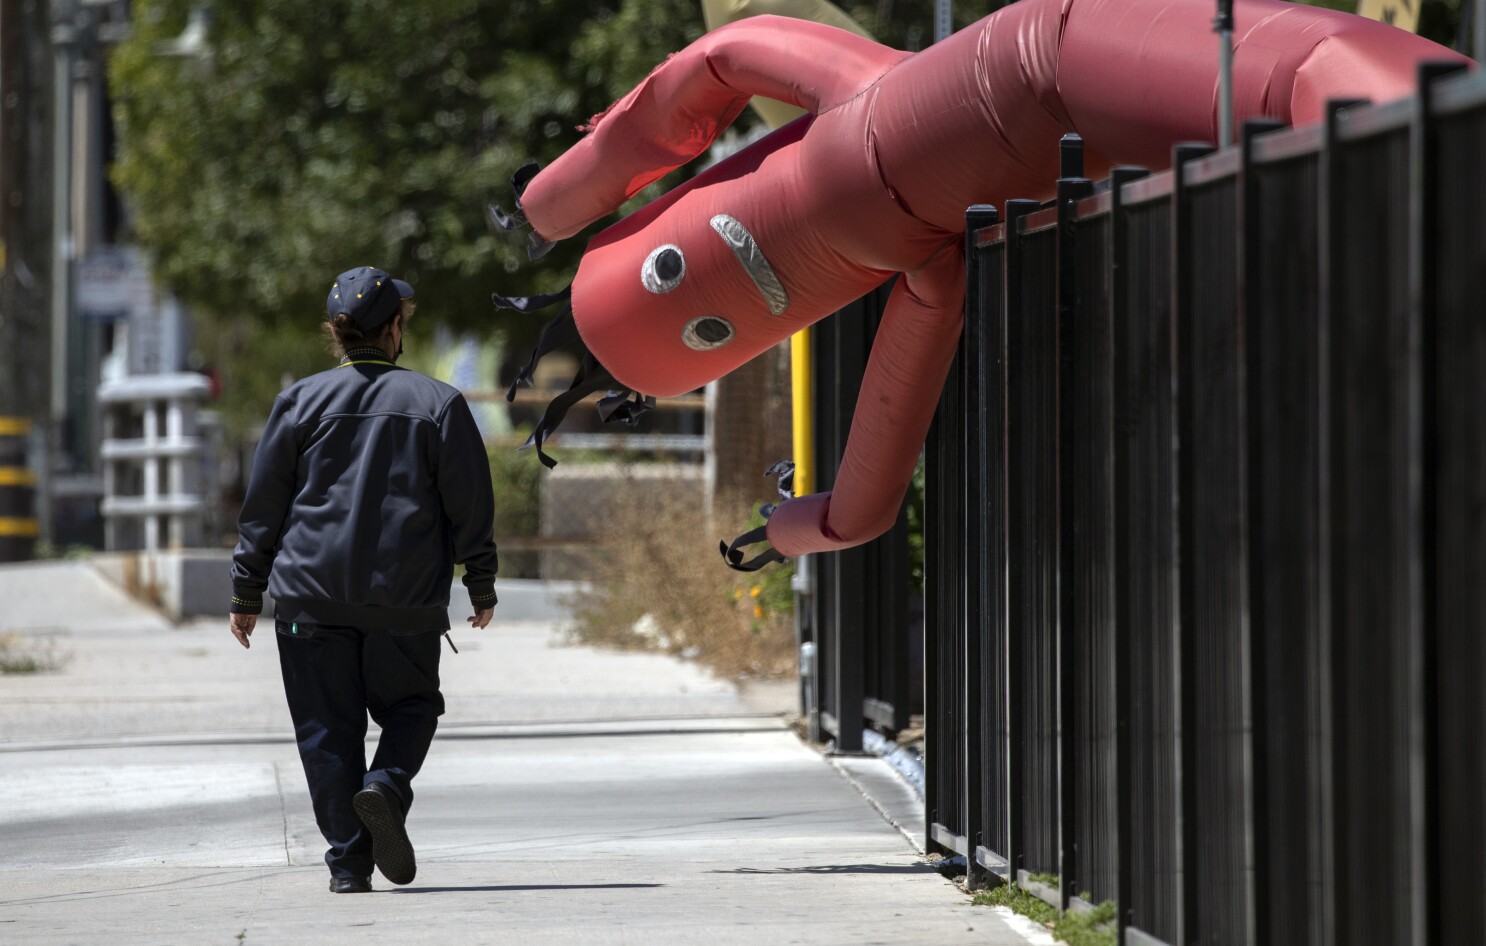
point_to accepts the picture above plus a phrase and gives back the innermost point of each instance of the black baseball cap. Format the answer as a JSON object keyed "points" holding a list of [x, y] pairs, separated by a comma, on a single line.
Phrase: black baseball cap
{"points": [[367, 295]]}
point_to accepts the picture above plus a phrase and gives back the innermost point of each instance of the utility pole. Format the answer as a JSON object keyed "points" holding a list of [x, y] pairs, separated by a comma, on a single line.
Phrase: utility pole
{"points": [[1223, 26], [943, 19], [1479, 28], [25, 218]]}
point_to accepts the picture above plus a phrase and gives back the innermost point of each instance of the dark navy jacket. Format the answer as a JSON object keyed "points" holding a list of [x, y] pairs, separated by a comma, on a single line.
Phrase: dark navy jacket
{"points": [[370, 483]]}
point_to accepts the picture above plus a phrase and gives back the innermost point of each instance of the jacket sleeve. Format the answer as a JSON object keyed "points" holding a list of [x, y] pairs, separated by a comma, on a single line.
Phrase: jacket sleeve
{"points": [[469, 502], [264, 509]]}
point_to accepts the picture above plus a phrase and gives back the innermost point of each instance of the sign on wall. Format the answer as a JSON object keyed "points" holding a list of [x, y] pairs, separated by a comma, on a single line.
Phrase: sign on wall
{"points": [[113, 283]]}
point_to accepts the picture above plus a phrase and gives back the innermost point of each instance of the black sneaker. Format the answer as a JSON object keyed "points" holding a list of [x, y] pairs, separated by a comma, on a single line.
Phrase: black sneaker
{"points": [[350, 885], [381, 811]]}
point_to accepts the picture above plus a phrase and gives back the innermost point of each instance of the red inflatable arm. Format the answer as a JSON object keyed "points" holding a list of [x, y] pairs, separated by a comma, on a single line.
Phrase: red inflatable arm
{"points": [[691, 98], [876, 179], [910, 357]]}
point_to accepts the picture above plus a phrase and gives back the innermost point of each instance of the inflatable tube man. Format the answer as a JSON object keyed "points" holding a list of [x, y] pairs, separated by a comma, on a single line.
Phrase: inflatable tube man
{"points": [[874, 181]]}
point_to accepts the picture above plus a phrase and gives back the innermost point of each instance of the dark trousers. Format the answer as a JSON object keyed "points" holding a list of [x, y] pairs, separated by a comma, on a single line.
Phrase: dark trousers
{"points": [[334, 676]]}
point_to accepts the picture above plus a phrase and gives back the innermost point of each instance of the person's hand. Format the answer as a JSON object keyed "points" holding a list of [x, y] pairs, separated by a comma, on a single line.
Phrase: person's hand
{"points": [[481, 617], [243, 624]]}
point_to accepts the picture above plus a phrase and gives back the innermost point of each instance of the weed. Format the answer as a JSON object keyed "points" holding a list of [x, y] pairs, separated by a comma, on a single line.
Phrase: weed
{"points": [[72, 553], [1010, 895], [657, 583], [19, 654], [1095, 927]]}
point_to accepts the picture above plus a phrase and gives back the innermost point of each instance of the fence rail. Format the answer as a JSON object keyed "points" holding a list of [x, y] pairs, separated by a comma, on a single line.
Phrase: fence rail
{"points": [[1206, 531]]}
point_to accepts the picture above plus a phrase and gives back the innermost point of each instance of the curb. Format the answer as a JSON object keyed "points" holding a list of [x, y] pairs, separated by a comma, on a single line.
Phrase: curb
{"points": [[905, 761]]}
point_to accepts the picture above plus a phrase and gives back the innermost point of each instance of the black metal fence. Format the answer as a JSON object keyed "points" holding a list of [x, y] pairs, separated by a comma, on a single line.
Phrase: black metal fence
{"points": [[1206, 551], [858, 617]]}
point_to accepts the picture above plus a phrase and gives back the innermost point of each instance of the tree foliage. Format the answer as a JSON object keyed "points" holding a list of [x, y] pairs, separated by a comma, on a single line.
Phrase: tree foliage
{"points": [[320, 136], [324, 135]]}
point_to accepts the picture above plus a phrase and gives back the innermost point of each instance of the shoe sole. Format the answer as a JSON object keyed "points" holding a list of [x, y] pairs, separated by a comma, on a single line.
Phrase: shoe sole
{"points": [[391, 850]]}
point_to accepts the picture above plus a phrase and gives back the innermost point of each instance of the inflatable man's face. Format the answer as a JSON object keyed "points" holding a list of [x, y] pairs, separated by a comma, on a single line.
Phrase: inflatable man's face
{"points": [[683, 300], [708, 277]]}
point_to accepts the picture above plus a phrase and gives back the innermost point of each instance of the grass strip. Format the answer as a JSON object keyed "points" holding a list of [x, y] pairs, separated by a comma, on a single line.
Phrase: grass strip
{"points": [[1096, 927]]}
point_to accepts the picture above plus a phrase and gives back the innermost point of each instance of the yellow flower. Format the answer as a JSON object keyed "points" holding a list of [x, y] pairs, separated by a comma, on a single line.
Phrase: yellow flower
{"points": [[755, 591], [758, 610]]}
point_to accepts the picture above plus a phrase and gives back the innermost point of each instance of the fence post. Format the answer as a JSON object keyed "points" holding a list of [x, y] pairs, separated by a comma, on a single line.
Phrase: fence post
{"points": [[829, 388], [1249, 236], [945, 616], [1119, 306], [1455, 387], [973, 364], [846, 601], [1015, 760], [933, 609], [1375, 591], [1070, 156], [1328, 237], [1424, 251], [1070, 191], [846, 658], [1181, 273]]}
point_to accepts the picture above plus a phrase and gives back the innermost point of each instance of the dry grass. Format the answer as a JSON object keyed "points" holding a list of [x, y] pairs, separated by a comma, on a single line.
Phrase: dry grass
{"points": [[659, 584], [23, 654]]}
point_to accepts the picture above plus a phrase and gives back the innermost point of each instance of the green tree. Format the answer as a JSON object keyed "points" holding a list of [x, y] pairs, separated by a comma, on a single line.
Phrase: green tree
{"points": [[320, 136]]}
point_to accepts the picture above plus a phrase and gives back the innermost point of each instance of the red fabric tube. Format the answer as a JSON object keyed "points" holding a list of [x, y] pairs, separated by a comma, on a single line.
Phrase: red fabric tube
{"points": [[876, 179]]}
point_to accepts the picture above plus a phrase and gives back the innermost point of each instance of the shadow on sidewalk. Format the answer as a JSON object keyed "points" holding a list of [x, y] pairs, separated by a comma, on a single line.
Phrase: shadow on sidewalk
{"points": [[503, 888], [835, 869]]}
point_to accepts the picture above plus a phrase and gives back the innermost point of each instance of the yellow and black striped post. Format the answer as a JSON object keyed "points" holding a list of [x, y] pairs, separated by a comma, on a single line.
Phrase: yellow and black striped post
{"points": [[17, 493]]}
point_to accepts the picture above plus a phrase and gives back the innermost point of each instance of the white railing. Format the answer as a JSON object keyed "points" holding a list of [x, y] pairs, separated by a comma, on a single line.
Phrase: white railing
{"points": [[152, 455]]}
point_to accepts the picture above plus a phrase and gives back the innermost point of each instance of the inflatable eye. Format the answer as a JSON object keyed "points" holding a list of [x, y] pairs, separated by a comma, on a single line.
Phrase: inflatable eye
{"points": [[707, 332], [663, 269]]}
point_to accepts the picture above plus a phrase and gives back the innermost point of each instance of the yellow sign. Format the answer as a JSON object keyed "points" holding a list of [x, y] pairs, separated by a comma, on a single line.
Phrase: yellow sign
{"points": [[16, 476], [1403, 14], [18, 528]]}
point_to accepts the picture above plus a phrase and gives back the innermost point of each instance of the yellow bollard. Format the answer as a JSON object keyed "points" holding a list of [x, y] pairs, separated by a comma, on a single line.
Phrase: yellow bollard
{"points": [[802, 404], [715, 13]]}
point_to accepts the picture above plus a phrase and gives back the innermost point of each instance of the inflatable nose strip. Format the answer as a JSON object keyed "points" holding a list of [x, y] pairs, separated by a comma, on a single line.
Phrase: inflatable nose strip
{"points": [[745, 248]]}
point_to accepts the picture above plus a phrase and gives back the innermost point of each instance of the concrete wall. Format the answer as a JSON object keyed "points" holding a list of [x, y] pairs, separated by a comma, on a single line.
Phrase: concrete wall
{"points": [[197, 583], [182, 584]]}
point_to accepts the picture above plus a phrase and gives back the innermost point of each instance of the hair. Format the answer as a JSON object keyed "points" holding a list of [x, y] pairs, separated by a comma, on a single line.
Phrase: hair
{"points": [[341, 333]]}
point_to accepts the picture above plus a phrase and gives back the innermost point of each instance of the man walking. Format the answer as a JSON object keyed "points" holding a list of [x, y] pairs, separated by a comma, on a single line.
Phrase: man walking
{"points": [[370, 483]]}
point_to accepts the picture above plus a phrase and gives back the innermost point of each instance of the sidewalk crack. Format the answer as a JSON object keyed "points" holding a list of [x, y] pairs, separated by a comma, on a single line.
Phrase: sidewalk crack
{"points": [[278, 783]]}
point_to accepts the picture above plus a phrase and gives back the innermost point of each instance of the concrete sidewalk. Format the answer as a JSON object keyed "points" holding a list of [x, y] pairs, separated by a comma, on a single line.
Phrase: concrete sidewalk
{"points": [[150, 793]]}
